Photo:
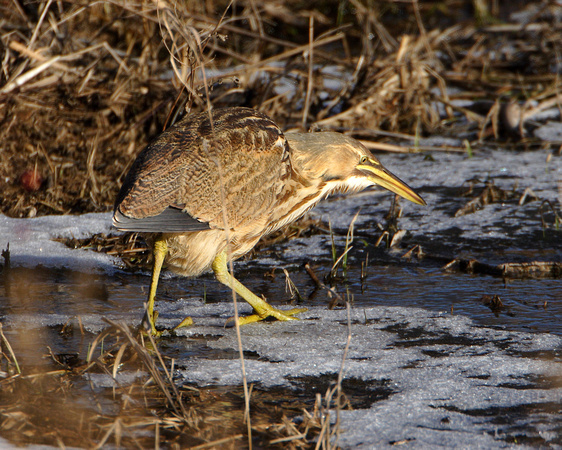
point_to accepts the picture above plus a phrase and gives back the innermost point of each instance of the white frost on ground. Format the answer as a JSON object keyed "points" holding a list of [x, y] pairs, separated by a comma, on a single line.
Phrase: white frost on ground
{"points": [[31, 241], [449, 379], [551, 131], [435, 379]]}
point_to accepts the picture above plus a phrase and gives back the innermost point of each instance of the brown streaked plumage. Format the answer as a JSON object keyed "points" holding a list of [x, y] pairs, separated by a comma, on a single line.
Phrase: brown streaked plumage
{"points": [[204, 183]]}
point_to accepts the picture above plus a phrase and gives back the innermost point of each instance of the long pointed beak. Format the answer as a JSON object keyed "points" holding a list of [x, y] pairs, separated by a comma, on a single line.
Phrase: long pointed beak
{"points": [[377, 174]]}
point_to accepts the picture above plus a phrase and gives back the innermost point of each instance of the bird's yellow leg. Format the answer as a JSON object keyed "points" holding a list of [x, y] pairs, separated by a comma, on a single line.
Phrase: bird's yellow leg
{"points": [[261, 307], [159, 252]]}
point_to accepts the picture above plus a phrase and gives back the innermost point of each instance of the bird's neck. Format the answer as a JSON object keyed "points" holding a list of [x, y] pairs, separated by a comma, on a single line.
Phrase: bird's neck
{"points": [[298, 196]]}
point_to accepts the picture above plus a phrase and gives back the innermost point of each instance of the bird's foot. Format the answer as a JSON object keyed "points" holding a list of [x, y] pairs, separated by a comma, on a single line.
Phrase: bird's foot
{"points": [[271, 312], [148, 325], [187, 322]]}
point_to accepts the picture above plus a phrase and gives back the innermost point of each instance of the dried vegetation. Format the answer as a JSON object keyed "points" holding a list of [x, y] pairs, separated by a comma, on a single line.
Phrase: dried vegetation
{"points": [[67, 406], [85, 85]]}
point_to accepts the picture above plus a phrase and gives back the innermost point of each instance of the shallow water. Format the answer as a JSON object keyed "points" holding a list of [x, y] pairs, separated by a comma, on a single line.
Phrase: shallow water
{"points": [[43, 301]]}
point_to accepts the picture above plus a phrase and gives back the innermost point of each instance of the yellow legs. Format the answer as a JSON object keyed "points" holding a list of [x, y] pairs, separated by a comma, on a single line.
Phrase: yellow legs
{"points": [[261, 307], [159, 252]]}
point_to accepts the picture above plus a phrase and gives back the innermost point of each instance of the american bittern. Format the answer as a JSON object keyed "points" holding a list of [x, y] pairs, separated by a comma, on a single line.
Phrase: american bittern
{"points": [[208, 188]]}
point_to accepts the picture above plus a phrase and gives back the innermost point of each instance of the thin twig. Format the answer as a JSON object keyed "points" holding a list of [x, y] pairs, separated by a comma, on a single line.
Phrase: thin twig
{"points": [[10, 350], [339, 390], [310, 80], [331, 292]]}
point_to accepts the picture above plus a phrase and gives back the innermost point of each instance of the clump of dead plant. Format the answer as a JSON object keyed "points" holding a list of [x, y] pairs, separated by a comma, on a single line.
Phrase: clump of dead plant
{"points": [[123, 392], [84, 86]]}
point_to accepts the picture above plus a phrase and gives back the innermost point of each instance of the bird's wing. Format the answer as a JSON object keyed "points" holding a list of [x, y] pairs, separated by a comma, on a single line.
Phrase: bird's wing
{"points": [[193, 172], [150, 197], [171, 220]]}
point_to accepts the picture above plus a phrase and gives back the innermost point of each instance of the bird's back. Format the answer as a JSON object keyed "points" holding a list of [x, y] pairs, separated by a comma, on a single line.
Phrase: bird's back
{"points": [[200, 168]]}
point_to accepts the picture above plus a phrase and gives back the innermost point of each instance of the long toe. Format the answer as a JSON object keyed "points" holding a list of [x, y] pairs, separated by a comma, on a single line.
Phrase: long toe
{"points": [[271, 312], [187, 322]]}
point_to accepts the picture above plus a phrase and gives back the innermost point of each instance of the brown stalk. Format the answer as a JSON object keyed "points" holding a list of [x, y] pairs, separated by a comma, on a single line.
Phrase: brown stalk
{"points": [[310, 71]]}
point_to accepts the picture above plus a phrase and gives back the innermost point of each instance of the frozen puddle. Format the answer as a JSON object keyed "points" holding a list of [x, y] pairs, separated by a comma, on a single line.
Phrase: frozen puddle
{"points": [[447, 381]]}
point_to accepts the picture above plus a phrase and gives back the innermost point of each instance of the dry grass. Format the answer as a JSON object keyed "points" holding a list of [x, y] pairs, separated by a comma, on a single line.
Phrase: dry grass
{"points": [[66, 406], [85, 85]]}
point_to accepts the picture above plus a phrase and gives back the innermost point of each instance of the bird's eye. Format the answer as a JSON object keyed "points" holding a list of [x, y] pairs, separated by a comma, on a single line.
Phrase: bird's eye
{"points": [[363, 160]]}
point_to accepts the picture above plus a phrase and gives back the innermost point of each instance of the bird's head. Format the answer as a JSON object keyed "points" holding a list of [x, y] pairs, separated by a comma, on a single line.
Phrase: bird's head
{"points": [[343, 164]]}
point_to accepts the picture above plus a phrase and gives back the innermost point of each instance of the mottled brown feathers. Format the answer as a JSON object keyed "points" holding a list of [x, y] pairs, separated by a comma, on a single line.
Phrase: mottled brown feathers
{"points": [[196, 163]]}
